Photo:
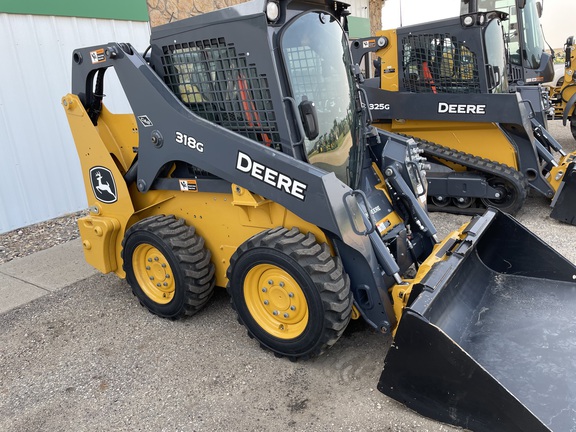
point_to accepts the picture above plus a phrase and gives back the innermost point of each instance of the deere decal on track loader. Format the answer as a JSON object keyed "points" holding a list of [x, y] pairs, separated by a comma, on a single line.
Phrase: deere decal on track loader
{"points": [[445, 84], [249, 163]]}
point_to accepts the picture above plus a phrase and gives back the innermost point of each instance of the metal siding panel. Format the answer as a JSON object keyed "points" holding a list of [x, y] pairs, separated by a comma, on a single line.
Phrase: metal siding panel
{"points": [[136, 10], [40, 175]]}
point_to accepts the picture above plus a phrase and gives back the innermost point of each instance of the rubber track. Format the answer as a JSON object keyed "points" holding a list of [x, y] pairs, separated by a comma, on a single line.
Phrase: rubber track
{"points": [[326, 271], [486, 166]]}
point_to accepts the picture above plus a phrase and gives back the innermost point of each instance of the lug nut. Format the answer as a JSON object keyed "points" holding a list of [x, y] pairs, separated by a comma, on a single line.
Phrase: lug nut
{"points": [[158, 284], [163, 265], [281, 284], [266, 302], [151, 277], [147, 267], [292, 308], [290, 294], [149, 259], [270, 282], [155, 258], [264, 289], [165, 283], [275, 313], [286, 315]]}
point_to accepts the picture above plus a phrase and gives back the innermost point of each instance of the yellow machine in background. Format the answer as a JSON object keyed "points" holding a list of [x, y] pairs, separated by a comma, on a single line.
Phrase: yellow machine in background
{"points": [[563, 95], [444, 83]]}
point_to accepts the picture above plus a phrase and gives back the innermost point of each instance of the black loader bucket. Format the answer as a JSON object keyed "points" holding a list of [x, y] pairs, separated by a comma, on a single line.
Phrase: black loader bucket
{"points": [[489, 343], [564, 203]]}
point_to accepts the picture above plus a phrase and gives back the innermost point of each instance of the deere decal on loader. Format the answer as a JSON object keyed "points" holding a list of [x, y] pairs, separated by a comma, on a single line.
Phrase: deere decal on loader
{"points": [[249, 163], [445, 84]]}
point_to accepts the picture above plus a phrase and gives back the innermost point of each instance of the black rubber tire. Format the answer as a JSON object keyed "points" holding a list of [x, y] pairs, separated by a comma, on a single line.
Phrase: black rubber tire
{"points": [[188, 259], [320, 277], [573, 124]]}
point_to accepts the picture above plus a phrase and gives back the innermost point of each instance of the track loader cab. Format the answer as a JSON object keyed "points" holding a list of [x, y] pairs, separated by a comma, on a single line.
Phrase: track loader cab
{"points": [[528, 61], [445, 84]]}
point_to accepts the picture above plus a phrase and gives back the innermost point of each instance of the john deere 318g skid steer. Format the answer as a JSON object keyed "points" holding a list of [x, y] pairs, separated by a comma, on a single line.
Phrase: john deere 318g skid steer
{"points": [[249, 163]]}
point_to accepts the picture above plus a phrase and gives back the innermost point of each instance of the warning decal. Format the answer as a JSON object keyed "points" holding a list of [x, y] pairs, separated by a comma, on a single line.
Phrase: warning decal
{"points": [[97, 56], [371, 43], [188, 185]]}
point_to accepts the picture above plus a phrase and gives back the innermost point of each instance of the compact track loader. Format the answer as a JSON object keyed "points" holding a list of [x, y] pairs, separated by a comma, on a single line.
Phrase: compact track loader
{"points": [[249, 163], [529, 63], [445, 84], [563, 95]]}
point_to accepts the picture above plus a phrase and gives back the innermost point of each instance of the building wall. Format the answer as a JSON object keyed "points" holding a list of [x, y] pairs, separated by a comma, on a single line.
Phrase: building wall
{"points": [[163, 11], [375, 15], [39, 169]]}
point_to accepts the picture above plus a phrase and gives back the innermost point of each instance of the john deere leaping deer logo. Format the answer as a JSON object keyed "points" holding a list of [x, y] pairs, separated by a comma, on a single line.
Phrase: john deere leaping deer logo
{"points": [[103, 185]]}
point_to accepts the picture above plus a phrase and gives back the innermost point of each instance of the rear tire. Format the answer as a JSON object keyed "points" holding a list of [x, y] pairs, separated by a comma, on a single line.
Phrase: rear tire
{"points": [[167, 266], [573, 124], [289, 292]]}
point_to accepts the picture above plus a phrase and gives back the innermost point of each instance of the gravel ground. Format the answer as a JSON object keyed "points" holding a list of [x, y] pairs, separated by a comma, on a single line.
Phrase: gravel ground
{"points": [[34, 238], [89, 358]]}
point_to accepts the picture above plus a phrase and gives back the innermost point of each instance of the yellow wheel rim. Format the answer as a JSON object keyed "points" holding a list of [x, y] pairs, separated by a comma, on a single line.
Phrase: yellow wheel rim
{"points": [[276, 301], [153, 273]]}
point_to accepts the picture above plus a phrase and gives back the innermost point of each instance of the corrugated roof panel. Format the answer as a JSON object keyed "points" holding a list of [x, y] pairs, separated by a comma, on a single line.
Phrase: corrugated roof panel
{"points": [[40, 174]]}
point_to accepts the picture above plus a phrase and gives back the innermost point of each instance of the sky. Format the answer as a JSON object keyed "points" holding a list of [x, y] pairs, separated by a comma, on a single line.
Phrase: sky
{"points": [[558, 18]]}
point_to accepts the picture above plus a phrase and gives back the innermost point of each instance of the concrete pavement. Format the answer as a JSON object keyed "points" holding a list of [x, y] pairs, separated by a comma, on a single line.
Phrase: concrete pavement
{"points": [[25, 279]]}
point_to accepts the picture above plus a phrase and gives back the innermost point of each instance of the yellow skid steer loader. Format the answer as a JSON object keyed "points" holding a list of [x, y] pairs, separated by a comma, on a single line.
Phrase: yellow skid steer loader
{"points": [[249, 163]]}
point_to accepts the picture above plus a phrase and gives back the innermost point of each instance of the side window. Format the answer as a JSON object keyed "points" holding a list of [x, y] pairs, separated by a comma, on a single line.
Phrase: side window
{"points": [[220, 84], [438, 63], [317, 61]]}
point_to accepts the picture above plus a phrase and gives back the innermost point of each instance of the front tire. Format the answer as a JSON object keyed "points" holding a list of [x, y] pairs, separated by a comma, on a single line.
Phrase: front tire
{"points": [[289, 292], [167, 266]]}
